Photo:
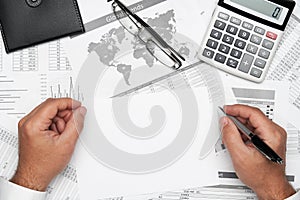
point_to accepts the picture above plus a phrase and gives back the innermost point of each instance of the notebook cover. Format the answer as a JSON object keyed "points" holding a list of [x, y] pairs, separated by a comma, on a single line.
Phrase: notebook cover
{"points": [[25, 23]]}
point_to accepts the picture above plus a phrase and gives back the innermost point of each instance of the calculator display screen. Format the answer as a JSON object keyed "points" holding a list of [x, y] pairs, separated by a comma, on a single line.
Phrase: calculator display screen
{"points": [[263, 8]]}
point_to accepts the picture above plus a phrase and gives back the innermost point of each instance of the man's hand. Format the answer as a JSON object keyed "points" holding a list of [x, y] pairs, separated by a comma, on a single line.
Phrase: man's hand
{"points": [[47, 137], [265, 177]]}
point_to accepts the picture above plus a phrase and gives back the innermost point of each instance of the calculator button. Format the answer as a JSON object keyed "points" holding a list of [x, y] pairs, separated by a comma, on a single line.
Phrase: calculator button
{"points": [[256, 39], [264, 53], [216, 34], [247, 25], [252, 49], [255, 72], [220, 25], [271, 35], [223, 16], [246, 63], [232, 63], [231, 29], [212, 44], [240, 44], [208, 53], [244, 34], [220, 58], [228, 39], [236, 53], [268, 44], [224, 48], [260, 63], [235, 21], [259, 30]]}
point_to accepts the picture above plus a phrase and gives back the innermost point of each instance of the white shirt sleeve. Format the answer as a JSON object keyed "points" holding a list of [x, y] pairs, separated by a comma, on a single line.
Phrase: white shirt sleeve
{"points": [[295, 196], [11, 191]]}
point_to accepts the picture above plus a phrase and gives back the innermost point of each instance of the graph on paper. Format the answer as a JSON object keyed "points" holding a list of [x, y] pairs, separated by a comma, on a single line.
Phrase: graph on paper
{"points": [[59, 91], [260, 98], [28, 77]]}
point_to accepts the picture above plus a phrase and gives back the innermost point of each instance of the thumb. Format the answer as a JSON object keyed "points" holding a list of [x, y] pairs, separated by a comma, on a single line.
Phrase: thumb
{"points": [[75, 125], [232, 138]]}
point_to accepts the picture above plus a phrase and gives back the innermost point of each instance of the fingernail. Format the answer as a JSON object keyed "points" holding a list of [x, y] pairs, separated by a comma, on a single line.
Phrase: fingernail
{"points": [[224, 122], [82, 110], [75, 104]]}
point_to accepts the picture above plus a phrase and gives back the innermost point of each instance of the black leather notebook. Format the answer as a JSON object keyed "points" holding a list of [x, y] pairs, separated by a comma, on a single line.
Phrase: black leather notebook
{"points": [[25, 23]]}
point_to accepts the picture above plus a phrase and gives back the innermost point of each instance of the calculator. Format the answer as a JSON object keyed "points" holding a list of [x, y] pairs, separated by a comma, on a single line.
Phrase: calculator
{"points": [[243, 36]]}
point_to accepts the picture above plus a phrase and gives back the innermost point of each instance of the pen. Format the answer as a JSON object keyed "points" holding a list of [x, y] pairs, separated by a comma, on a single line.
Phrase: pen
{"points": [[257, 142]]}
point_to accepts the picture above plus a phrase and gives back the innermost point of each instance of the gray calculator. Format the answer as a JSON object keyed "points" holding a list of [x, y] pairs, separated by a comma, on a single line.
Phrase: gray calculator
{"points": [[244, 34]]}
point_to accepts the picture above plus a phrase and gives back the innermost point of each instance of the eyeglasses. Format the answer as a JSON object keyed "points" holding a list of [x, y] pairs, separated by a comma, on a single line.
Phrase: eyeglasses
{"points": [[154, 43]]}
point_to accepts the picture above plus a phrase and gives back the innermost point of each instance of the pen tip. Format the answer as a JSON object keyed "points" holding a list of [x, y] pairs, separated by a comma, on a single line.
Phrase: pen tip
{"points": [[278, 161], [221, 109]]}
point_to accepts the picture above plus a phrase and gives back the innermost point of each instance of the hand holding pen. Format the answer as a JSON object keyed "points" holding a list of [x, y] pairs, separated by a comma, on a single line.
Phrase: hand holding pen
{"points": [[266, 178], [258, 143]]}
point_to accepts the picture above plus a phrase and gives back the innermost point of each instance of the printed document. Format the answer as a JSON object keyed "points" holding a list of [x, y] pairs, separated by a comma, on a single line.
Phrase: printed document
{"points": [[130, 142], [64, 186], [27, 78], [269, 97], [297, 9], [286, 66], [127, 141]]}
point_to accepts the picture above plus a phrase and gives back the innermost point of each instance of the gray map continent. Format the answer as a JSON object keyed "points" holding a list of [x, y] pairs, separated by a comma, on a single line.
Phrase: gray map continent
{"points": [[125, 70], [110, 44], [164, 25], [107, 48]]}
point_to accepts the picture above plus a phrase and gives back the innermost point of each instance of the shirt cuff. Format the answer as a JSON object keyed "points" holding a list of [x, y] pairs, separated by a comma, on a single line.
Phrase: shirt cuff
{"points": [[295, 196], [11, 191]]}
